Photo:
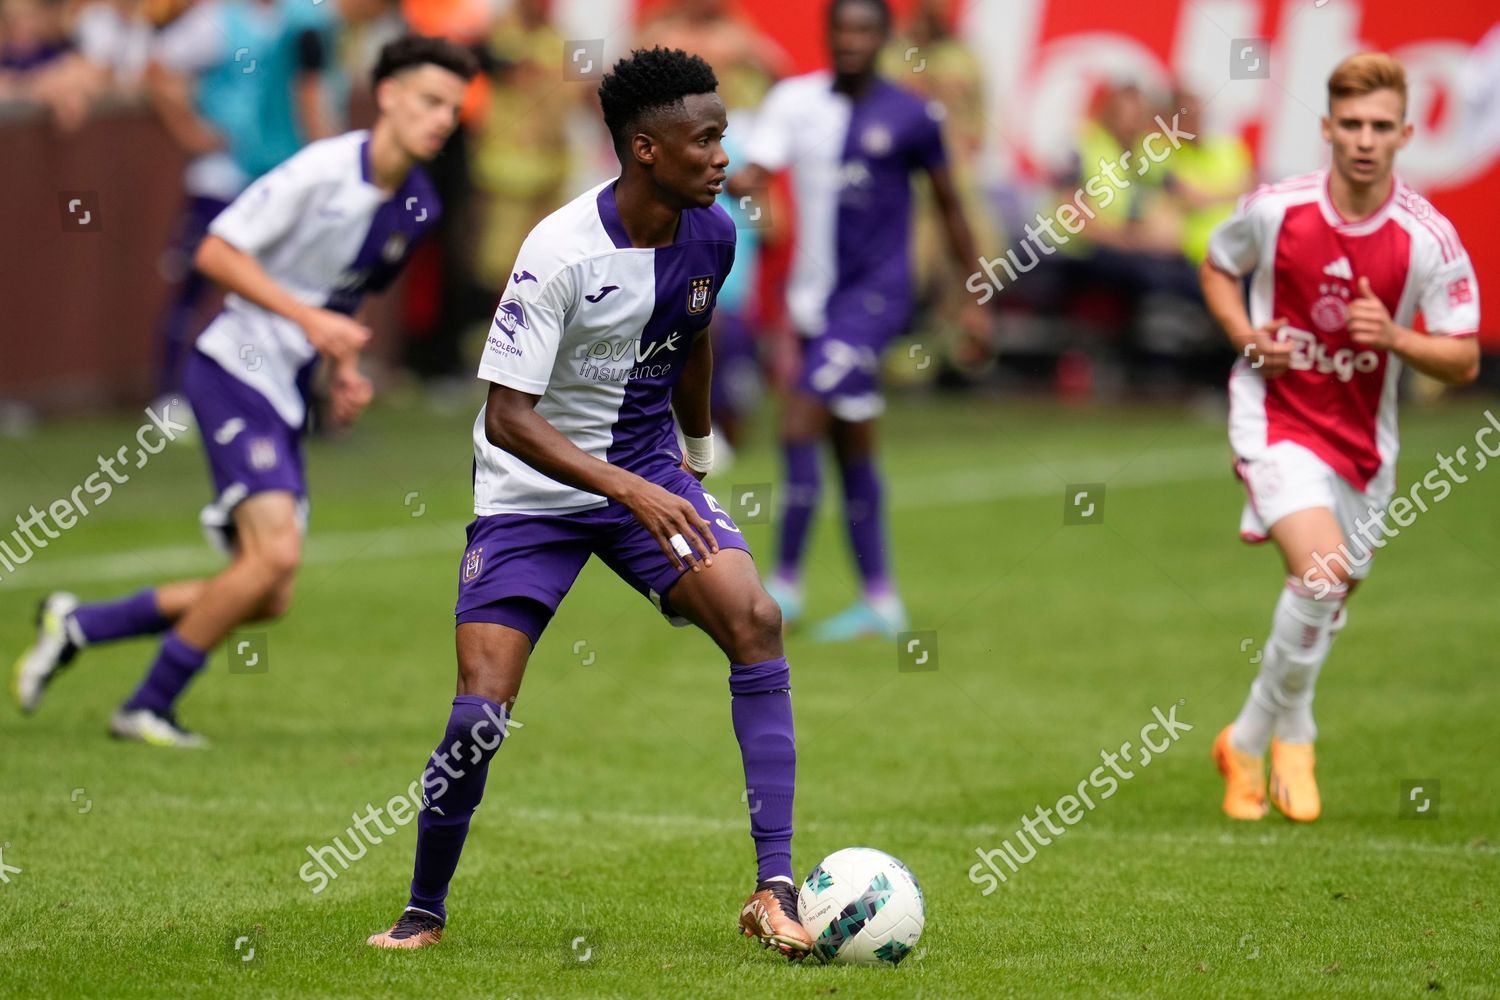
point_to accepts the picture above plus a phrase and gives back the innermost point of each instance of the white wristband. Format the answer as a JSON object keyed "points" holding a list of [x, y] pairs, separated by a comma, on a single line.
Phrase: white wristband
{"points": [[700, 452]]}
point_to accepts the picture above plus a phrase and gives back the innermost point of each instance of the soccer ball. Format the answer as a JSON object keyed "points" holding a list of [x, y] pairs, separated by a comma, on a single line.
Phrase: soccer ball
{"points": [[861, 906]]}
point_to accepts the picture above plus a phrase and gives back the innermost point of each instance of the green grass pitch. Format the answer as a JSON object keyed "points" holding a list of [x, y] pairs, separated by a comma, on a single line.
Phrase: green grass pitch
{"points": [[613, 829]]}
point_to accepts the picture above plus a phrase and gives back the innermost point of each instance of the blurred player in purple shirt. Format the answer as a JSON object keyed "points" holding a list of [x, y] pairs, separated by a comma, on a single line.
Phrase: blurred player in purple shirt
{"points": [[296, 253], [852, 141]]}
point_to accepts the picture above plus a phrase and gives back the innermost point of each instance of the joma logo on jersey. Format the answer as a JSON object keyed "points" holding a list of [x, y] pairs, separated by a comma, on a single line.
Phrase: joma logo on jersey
{"points": [[1311, 354], [603, 350], [699, 290]]}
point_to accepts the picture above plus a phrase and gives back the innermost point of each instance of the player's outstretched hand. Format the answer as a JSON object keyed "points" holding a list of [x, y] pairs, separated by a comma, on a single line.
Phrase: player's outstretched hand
{"points": [[334, 335], [975, 345], [349, 392], [1369, 321], [1268, 356], [685, 538]]}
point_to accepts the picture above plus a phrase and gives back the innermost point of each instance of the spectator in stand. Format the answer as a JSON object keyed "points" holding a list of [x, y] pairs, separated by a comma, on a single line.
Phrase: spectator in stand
{"points": [[444, 290], [31, 39], [226, 79], [746, 61], [1205, 176], [1112, 136], [522, 157], [931, 60], [112, 43], [1132, 246]]}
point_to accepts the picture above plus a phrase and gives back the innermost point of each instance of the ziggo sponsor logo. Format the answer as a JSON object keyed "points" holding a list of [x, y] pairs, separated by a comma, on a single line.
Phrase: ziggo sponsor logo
{"points": [[1311, 354]]}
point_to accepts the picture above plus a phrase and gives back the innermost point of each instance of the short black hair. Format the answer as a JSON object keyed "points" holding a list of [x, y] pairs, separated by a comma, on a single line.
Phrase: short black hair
{"points": [[649, 80], [881, 7], [410, 51]]}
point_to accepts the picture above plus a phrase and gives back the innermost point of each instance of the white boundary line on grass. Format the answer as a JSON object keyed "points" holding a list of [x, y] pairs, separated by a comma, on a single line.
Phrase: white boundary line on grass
{"points": [[1035, 479]]}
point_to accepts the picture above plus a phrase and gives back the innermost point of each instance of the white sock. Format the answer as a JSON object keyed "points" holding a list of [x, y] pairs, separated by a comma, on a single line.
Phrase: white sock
{"points": [[1296, 723], [1281, 696]]}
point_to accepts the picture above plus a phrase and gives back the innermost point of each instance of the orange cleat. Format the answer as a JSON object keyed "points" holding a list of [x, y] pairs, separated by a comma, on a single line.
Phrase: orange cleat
{"points": [[414, 929], [1244, 779], [1294, 790], [770, 916]]}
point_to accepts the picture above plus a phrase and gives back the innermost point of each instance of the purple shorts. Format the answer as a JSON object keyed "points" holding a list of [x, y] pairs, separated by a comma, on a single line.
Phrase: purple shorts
{"points": [[844, 374], [250, 448], [841, 365], [538, 556]]}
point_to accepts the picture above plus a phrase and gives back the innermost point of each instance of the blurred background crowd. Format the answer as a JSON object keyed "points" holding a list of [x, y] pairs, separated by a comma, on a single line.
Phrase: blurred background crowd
{"points": [[146, 117]]}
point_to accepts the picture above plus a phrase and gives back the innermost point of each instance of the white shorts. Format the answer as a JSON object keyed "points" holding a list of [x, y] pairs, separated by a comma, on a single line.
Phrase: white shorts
{"points": [[1289, 478]]}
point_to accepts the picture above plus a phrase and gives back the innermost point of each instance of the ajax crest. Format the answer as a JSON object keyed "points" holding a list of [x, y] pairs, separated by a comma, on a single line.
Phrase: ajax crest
{"points": [[699, 290]]}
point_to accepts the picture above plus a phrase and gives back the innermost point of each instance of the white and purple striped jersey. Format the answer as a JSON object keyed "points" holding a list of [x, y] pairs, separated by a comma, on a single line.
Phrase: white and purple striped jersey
{"points": [[851, 163], [599, 330], [322, 230]]}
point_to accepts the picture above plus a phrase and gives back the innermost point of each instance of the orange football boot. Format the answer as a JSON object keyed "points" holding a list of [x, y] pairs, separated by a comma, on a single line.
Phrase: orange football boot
{"points": [[413, 929], [1294, 790], [1244, 779], [770, 916]]}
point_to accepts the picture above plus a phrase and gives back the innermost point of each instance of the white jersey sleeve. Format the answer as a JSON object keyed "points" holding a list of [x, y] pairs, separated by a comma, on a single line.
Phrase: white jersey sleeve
{"points": [[1449, 296], [770, 143], [193, 42], [1235, 244], [270, 207], [528, 327]]}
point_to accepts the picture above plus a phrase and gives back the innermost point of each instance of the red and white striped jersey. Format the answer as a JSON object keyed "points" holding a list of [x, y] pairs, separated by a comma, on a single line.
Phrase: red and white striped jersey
{"points": [[1304, 260]]}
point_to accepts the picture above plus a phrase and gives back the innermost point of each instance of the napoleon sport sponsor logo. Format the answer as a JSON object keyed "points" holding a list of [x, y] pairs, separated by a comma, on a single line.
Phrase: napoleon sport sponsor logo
{"points": [[510, 318]]}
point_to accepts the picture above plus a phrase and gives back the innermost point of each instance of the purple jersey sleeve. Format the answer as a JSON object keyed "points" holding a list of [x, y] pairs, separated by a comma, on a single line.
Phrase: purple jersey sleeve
{"points": [[927, 149]]}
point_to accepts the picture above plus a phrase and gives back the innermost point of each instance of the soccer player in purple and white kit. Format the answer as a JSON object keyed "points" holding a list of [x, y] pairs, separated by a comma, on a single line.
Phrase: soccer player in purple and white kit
{"points": [[600, 337], [297, 251], [852, 141]]}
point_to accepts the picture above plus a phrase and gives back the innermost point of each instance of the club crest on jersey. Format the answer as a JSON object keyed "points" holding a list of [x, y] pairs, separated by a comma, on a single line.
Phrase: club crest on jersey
{"points": [[699, 291], [1331, 311], [262, 453], [395, 248], [473, 563], [511, 317], [876, 140]]}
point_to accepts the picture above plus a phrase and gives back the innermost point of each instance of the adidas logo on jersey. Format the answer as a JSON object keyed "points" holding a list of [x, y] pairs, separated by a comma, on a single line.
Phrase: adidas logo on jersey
{"points": [[1340, 269]]}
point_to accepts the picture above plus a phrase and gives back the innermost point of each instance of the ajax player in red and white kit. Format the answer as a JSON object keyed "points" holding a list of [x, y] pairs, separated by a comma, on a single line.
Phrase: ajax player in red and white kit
{"points": [[1339, 262]]}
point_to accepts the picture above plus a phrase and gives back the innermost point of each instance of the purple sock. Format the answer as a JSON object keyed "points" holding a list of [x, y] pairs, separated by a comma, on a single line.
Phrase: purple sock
{"points": [[761, 708], [452, 786], [176, 664], [802, 487], [864, 508], [122, 619]]}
